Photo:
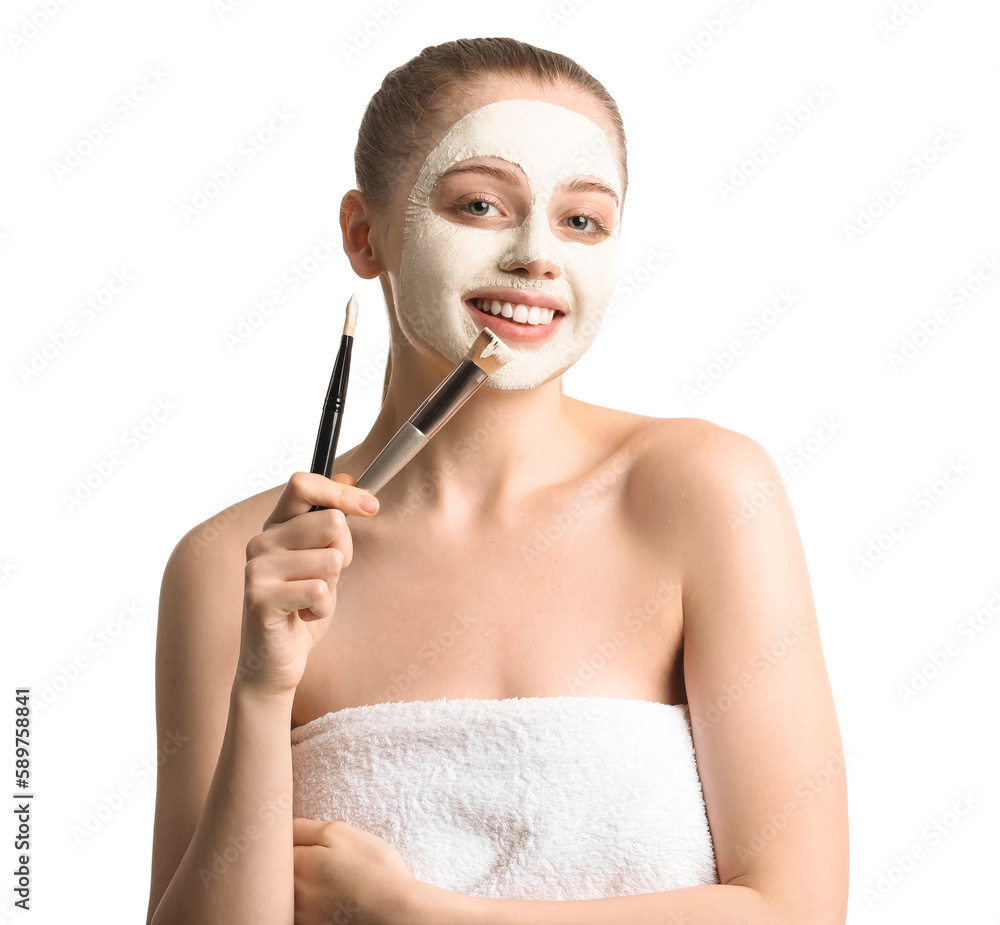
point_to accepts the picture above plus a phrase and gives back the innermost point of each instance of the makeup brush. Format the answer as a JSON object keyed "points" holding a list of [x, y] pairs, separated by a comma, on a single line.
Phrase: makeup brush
{"points": [[486, 355], [325, 451]]}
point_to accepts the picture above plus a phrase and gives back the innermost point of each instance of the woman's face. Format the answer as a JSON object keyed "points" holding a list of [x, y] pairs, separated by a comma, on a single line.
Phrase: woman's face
{"points": [[515, 208]]}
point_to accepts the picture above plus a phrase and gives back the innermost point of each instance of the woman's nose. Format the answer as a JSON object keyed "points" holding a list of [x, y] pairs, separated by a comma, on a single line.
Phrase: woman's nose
{"points": [[529, 257], [533, 269]]}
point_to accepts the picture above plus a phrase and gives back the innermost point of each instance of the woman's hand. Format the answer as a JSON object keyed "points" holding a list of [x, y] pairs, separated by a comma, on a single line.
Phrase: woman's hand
{"points": [[291, 576], [345, 874]]}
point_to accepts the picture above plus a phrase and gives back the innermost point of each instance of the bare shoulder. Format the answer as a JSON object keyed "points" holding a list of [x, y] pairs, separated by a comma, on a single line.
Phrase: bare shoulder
{"points": [[216, 535], [687, 471], [201, 597], [207, 565], [676, 466], [695, 449]]}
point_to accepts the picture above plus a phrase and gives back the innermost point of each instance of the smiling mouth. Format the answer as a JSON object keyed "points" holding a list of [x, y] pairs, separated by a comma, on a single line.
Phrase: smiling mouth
{"points": [[516, 312]]}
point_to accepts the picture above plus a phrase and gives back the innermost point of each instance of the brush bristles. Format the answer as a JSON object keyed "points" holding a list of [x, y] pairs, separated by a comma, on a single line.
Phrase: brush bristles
{"points": [[488, 352], [352, 316]]}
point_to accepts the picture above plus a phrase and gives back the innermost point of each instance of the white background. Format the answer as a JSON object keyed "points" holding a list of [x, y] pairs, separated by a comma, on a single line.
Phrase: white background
{"points": [[244, 418]]}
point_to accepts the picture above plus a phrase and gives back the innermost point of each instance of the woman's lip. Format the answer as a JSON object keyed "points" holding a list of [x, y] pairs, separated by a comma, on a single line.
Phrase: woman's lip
{"points": [[527, 297], [514, 330]]}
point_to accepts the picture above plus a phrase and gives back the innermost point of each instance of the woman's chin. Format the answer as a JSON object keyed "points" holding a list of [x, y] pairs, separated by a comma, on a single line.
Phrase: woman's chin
{"points": [[519, 376]]}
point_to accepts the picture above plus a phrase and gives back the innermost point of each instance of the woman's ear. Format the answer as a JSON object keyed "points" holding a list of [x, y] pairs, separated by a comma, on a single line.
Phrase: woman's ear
{"points": [[355, 223]]}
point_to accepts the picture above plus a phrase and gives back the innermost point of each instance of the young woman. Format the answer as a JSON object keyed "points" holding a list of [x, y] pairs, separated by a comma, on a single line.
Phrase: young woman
{"points": [[492, 176]]}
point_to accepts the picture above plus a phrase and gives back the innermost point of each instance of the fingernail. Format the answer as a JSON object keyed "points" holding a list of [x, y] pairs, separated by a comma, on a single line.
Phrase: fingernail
{"points": [[368, 503]]}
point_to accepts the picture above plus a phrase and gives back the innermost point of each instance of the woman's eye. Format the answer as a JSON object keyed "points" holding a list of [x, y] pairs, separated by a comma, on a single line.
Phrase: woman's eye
{"points": [[478, 207], [587, 224]]}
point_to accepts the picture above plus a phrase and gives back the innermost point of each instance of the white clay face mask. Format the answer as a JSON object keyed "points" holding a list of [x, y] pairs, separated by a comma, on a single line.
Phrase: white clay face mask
{"points": [[444, 260]]}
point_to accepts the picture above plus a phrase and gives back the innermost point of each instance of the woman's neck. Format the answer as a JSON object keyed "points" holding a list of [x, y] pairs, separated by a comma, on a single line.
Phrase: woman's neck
{"points": [[496, 451]]}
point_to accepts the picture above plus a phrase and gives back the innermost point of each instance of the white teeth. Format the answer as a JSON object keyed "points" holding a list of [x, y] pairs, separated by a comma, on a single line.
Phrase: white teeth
{"points": [[523, 314]]}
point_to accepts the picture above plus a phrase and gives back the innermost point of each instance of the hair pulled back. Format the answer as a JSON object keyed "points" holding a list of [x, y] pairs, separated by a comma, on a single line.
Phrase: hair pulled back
{"points": [[402, 116]]}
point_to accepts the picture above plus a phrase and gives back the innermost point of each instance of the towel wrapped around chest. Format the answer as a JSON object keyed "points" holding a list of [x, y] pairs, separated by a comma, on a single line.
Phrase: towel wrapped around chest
{"points": [[523, 798]]}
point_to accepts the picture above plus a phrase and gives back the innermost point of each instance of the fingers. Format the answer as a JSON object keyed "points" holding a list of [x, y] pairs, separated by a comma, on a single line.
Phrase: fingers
{"points": [[272, 601], [293, 567], [318, 530], [303, 579], [306, 489], [298, 565]]}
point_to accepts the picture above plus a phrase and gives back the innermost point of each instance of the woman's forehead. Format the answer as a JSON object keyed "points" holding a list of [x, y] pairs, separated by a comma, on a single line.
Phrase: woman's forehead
{"points": [[549, 142], [493, 88]]}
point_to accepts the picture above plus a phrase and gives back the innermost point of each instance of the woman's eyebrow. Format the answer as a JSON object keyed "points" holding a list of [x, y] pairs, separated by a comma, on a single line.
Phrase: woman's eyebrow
{"points": [[579, 185], [515, 178], [503, 174]]}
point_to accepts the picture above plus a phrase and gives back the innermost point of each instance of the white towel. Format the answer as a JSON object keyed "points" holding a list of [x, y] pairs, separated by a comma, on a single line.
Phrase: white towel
{"points": [[524, 798]]}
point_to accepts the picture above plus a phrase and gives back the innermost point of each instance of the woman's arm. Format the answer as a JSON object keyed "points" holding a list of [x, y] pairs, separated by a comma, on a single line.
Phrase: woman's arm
{"points": [[763, 722], [222, 847], [223, 836], [696, 905]]}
